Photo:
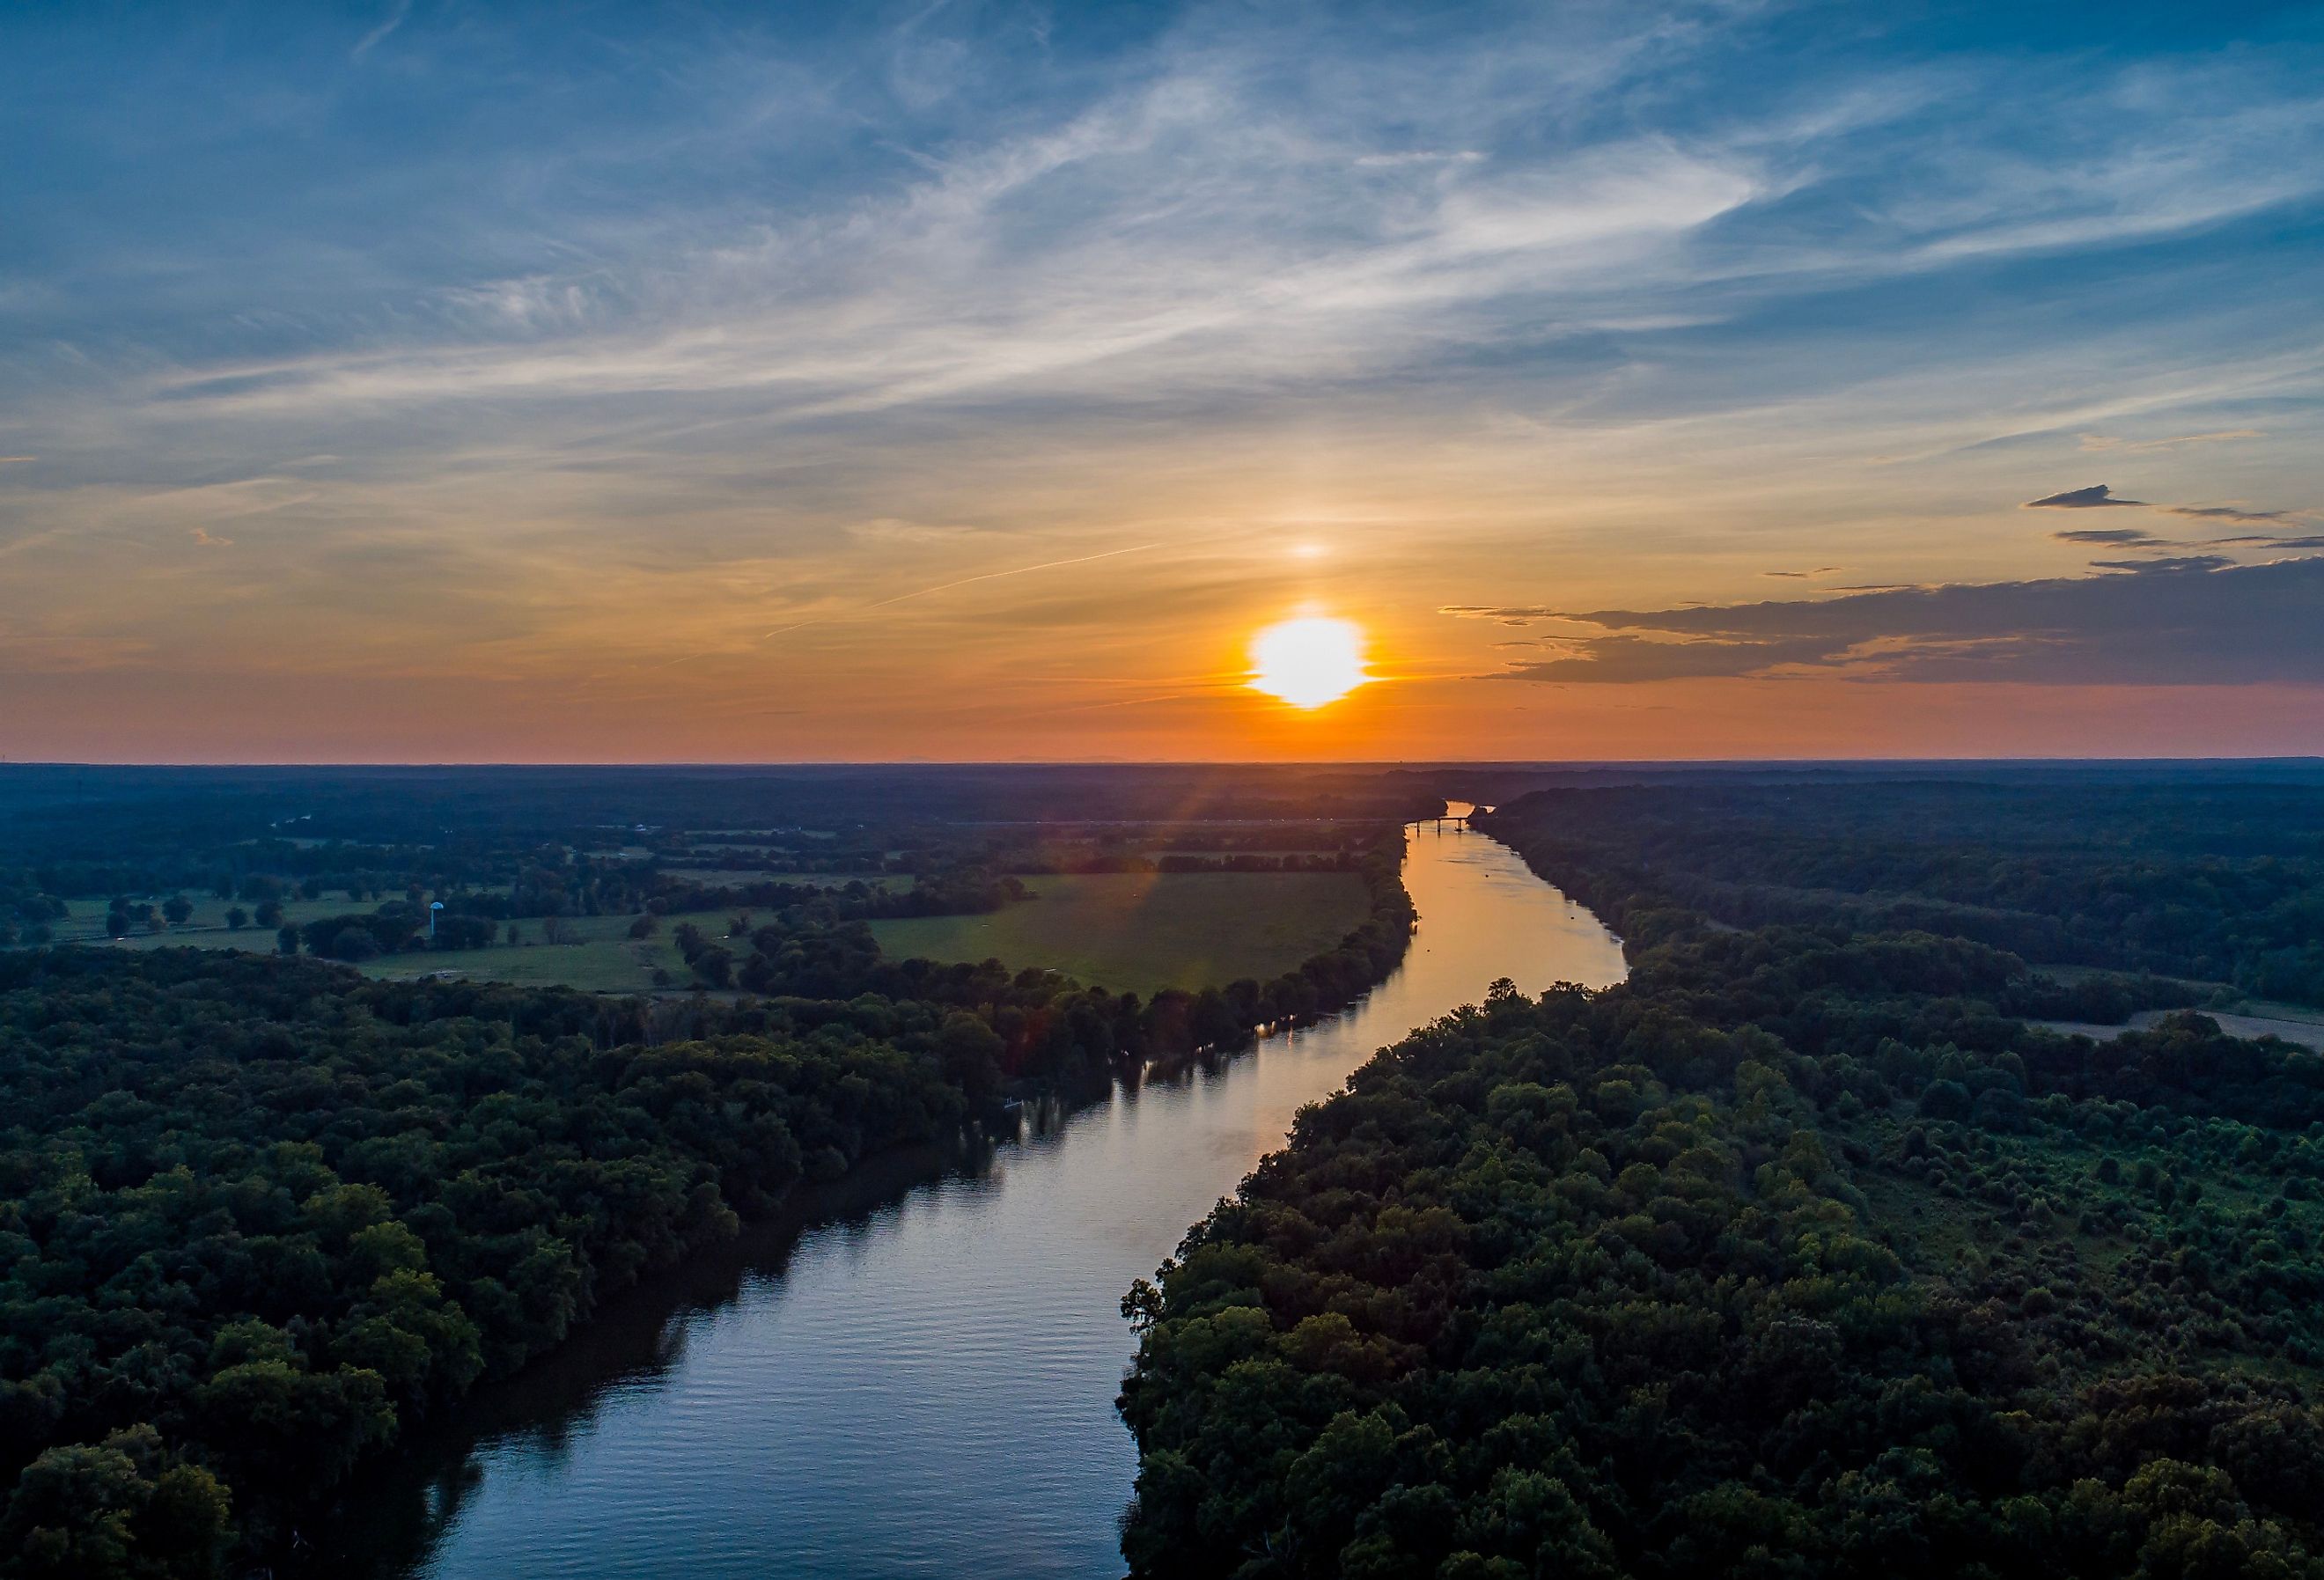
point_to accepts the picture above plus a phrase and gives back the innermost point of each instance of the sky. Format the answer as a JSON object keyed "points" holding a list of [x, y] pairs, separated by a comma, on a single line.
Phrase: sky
{"points": [[429, 380]]}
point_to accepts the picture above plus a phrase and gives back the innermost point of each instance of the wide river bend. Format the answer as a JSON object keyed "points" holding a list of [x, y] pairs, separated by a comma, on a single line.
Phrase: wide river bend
{"points": [[921, 1381]]}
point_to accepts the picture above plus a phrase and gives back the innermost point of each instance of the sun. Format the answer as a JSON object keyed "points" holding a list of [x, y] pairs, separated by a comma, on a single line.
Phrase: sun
{"points": [[1309, 662]]}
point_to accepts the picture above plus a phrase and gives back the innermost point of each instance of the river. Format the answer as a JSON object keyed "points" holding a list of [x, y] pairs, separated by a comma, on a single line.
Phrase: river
{"points": [[921, 1383]]}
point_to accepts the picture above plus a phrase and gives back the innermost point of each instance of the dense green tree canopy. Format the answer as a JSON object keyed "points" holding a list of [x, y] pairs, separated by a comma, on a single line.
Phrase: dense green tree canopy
{"points": [[2221, 881], [1799, 1254], [272, 1213], [258, 1214]]}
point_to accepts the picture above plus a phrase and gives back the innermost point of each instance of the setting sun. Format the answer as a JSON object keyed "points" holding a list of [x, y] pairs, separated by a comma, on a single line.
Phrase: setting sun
{"points": [[1310, 661]]}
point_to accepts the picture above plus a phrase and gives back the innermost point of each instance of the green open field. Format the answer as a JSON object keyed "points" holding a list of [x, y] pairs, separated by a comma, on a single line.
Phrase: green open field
{"points": [[1140, 931], [604, 958], [599, 958]]}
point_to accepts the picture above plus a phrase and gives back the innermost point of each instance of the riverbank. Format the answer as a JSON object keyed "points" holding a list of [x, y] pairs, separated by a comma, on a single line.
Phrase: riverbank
{"points": [[928, 1389], [408, 1499], [1798, 1241]]}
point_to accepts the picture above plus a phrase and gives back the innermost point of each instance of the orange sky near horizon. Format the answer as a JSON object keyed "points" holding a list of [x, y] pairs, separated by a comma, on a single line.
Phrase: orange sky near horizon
{"points": [[1723, 391], [558, 644], [1064, 642], [288, 719]]}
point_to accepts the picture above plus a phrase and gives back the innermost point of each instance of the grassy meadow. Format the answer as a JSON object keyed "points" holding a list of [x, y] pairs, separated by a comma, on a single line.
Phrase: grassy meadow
{"points": [[597, 956], [1140, 931]]}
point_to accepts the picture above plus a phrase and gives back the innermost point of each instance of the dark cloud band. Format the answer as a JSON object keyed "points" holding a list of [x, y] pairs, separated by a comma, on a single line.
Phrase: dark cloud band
{"points": [[2096, 496], [2188, 619], [2099, 496]]}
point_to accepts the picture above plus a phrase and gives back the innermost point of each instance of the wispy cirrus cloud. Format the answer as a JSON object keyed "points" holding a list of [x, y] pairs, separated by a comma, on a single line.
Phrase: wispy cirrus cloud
{"points": [[1095, 309], [1505, 615], [529, 350], [2168, 565], [2309, 541], [2100, 442], [2227, 512], [1214, 207], [397, 14]]}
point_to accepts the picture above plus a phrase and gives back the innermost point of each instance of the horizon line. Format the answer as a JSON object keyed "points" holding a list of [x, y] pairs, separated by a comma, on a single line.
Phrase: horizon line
{"points": [[741, 764]]}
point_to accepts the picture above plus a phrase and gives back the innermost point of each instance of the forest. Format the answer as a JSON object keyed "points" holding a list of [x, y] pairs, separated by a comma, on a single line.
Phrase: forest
{"points": [[2219, 882], [1809, 1250], [1799, 1254], [95, 828], [261, 1216]]}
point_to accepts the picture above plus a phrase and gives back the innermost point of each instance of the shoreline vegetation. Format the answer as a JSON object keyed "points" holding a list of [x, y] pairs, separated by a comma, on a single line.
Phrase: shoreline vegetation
{"points": [[262, 1214], [1143, 931], [1805, 1251]]}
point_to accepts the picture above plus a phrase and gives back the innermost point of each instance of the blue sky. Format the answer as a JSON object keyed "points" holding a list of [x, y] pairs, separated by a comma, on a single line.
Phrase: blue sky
{"points": [[479, 380]]}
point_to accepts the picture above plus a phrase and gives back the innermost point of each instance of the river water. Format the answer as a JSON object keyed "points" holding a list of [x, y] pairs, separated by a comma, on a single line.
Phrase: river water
{"points": [[925, 1386]]}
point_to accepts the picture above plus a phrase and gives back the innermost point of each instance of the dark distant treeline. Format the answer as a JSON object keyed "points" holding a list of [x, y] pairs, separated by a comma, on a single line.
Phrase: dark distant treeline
{"points": [[527, 844], [500, 885], [852, 863], [258, 867], [1046, 847], [2221, 881], [964, 893], [54, 814], [1797, 1255], [1185, 862]]}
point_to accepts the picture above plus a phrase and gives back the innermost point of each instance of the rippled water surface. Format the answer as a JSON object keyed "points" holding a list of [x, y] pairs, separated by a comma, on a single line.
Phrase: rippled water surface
{"points": [[925, 1386]]}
